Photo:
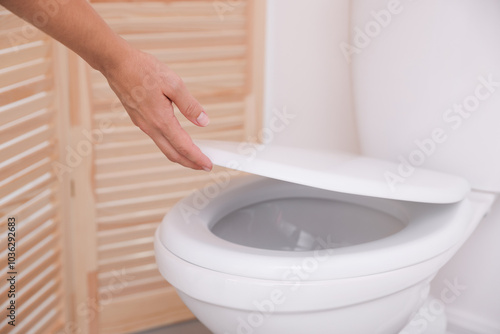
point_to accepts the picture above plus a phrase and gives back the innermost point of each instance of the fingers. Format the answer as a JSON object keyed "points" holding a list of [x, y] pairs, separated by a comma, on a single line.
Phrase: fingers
{"points": [[177, 145], [177, 92], [171, 139], [182, 143], [171, 153]]}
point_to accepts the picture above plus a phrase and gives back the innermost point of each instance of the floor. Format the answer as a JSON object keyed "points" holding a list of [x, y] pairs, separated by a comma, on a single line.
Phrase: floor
{"points": [[190, 327]]}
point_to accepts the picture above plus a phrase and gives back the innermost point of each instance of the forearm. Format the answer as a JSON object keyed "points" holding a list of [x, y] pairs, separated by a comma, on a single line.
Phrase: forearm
{"points": [[75, 24]]}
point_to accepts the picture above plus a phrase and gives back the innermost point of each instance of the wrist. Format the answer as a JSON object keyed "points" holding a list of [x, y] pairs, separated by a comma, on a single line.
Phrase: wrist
{"points": [[112, 58]]}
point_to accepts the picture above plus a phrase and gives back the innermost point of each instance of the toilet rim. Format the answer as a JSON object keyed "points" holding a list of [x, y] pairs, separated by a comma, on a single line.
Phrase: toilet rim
{"points": [[431, 230], [239, 292]]}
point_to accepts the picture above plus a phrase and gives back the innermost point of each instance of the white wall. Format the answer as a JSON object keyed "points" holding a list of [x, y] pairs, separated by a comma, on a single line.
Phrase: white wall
{"points": [[307, 74]]}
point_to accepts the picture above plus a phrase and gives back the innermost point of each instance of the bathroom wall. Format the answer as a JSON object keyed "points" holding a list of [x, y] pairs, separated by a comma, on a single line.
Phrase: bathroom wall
{"points": [[307, 75]]}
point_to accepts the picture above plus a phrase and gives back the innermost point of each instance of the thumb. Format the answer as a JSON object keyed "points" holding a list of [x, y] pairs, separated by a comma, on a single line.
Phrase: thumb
{"points": [[188, 105]]}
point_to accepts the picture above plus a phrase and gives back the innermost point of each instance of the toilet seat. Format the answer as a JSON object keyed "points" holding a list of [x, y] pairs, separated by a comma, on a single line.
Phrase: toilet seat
{"points": [[338, 171], [430, 230]]}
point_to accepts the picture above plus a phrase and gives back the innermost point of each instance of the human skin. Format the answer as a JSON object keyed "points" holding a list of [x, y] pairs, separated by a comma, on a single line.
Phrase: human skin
{"points": [[145, 86]]}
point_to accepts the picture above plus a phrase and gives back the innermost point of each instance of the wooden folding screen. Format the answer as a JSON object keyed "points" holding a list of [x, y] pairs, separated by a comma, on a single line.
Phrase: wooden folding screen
{"points": [[87, 187]]}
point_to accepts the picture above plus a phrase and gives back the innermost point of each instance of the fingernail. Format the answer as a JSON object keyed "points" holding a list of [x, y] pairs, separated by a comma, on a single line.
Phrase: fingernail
{"points": [[206, 169], [203, 120]]}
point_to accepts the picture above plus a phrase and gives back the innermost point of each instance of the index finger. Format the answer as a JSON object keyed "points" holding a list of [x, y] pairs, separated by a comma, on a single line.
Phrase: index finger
{"points": [[183, 144]]}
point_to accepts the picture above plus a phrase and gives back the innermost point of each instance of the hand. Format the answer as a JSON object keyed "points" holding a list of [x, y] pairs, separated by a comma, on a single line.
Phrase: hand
{"points": [[146, 87]]}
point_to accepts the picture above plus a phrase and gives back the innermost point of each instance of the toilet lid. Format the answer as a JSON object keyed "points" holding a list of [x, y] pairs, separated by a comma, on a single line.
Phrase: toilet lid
{"points": [[338, 171]]}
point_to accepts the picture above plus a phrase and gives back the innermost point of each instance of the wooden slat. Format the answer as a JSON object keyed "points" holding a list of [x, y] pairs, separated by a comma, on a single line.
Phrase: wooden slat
{"points": [[219, 80], [146, 310], [125, 234], [9, 131], [177, 39], [28, 208], [18, 37], [48, 302], [139, 203], [163, 9], [42, 233], [24, 71], [141, 176], [24, 107], [25, 89], [203, 54], [127, 247], [186, 23], [36, 220], [115, 194], [118, 149], [127, 261], [25, 141], [212, 67], [132, 162], [24, 53], [26, 192], [25, 176], [135, 218], [31, 274], [134, 273], [139, 286], [43, 249], [121, 178], [42, 279], [26, 158], [232, 134], [53, 322]]}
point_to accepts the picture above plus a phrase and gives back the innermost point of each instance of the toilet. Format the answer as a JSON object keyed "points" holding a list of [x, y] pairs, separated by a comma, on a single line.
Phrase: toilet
{"points": [[323, 242], [313, 241]]}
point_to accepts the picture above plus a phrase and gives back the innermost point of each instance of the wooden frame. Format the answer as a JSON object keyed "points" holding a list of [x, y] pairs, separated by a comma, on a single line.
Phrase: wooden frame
{"points": [[255, 102], [61, 77], [82, 204]]}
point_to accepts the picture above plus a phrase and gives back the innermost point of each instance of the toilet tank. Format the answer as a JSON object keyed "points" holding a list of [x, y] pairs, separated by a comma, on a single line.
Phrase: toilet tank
{"points": [[426, 86]]}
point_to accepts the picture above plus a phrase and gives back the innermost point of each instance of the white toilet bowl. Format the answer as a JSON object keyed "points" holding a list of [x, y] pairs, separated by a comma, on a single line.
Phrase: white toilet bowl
{"points": [[267, 256]]}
